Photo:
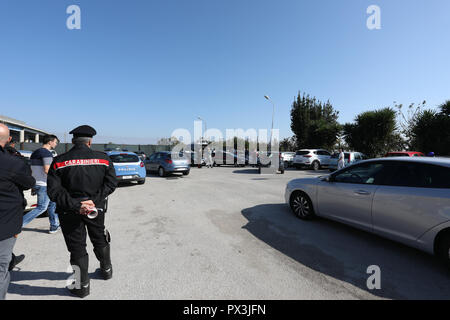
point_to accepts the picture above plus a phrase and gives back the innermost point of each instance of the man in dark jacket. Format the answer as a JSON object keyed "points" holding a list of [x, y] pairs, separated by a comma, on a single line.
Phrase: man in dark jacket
{"points": [[15, 176], [10, 148], [79, 181]]}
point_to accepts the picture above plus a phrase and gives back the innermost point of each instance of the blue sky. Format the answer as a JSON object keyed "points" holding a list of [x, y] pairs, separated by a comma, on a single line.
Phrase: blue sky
{"points": [[137, 70]]}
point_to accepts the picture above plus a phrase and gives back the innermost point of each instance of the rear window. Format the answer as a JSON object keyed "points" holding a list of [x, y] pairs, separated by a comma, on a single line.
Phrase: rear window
{"points": [[124, 158], [302, 153]]}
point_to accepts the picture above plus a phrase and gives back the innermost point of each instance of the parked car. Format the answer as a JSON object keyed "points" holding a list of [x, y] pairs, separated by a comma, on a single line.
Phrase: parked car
{"points": [[349, 158], [287, 158], [129, 167], [402, 199], [164, 163], [30, 196], [230, 158], [262, 164], [192, 155], [312, 158], [141, 155], [405, 154]]}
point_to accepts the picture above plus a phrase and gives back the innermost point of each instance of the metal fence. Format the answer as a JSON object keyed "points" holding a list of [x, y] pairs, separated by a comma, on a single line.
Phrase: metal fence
{"points": [[64, 147]]}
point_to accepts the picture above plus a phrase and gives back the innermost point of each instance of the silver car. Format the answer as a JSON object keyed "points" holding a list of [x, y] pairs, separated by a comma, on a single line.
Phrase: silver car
{"points": [[164, 163], [312, 158], [349, 158], [287, 158], [403, 199]]}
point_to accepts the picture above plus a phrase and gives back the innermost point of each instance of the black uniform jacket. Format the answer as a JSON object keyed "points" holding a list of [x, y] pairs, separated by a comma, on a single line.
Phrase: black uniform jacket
{"points": [[15, 176], [80, 174]]}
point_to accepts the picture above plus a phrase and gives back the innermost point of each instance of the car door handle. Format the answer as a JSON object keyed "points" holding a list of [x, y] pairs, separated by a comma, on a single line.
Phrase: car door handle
{"points": [[362, 192]]}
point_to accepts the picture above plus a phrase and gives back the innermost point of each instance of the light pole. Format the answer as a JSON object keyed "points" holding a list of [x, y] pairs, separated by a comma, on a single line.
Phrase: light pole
{"points": [[273, 113], [202, 126]]}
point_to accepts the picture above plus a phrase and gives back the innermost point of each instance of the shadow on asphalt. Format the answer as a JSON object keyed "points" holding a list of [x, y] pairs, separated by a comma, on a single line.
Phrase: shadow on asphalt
{"points": [[26, 290], [247, 171], [35, 230], [345, 253]]}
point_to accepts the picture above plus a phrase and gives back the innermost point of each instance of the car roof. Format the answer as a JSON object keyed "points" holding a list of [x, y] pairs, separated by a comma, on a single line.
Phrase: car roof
{"points": [[110, 153], [406, 152], [25, 153], [430, 160]]}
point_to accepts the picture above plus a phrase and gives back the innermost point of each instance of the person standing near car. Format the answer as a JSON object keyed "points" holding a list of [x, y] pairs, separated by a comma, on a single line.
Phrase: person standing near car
{"points": [[10, 148], [15, 176], [41, 160], [79, 181], [341, 159]]}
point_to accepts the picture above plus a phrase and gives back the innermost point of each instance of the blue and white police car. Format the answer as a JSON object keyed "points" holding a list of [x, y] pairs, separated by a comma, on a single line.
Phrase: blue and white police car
{"points": [[129, 167]]}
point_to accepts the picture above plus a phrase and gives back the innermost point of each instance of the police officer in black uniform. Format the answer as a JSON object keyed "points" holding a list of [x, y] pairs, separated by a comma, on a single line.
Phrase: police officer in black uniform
{"points": [[79, 181]]}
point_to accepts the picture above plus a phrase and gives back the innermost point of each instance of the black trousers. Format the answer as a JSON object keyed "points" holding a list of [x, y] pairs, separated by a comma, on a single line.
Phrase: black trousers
{"points": [[74, 227]]}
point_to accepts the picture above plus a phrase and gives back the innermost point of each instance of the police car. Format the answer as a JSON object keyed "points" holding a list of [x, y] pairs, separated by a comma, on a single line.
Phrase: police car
{"points": [[129, 167]]}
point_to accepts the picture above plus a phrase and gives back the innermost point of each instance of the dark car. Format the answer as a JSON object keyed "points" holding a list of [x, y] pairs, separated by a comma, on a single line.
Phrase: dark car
{"points": [[261, 163], [230, 158]]}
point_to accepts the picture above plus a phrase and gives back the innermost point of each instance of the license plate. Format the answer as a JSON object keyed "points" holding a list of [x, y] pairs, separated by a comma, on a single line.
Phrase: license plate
{"points": [[180, 169], [127, 177]]}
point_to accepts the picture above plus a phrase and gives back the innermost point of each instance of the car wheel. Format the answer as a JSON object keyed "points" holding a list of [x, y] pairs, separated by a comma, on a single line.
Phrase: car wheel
{"points": [[301, 205], [161, 172], [186, 173], [443, 251], [282, 171], [315, 165]]}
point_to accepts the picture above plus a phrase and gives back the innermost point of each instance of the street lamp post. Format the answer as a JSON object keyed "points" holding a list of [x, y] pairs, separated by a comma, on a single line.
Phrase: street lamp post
{"points": [[202, 126], [273, 113]]}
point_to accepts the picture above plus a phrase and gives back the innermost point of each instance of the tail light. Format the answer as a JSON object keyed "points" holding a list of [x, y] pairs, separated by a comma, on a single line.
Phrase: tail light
{"points": [[168, 161], [142, 164], [307, 156]]}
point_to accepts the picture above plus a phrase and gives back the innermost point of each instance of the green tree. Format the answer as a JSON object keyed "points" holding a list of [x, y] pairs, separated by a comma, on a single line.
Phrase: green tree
{"points": [[430, 130], [288, 144], [314, 123], [374, 133]]}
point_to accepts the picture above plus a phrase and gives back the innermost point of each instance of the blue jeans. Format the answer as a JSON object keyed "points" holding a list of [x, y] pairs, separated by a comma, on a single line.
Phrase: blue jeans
{"points": [[6, 248], [43, 203]]}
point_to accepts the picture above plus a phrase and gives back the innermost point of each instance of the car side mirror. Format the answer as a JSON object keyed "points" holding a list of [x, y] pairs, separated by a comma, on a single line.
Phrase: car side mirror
{"points": [[327, 179]]}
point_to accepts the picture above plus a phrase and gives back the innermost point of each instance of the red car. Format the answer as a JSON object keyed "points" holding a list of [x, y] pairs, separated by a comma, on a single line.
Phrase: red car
{"points": [[404, 154]]}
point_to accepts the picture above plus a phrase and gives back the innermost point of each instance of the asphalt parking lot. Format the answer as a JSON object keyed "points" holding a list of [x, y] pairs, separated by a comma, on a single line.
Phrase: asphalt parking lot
{"points": [[225, 233]]}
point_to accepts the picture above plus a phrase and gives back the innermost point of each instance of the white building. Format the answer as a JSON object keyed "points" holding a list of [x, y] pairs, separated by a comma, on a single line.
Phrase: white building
{"points": [[21, 132]]}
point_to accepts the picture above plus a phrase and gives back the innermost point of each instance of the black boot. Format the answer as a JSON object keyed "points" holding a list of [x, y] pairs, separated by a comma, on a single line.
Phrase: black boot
{"points": [[103, 255], [81, 289], [15, 260]]}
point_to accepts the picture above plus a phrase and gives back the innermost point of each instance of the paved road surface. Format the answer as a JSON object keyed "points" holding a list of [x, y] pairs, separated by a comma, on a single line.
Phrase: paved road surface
{"points": [[225, 233]]}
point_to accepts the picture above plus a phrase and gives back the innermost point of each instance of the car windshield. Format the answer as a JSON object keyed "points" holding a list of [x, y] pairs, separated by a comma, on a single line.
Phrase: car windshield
{"points": [[124, 158]]}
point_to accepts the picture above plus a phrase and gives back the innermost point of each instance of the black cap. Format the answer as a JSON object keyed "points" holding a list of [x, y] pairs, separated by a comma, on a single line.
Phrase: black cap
{"points": [[83, 131]]}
